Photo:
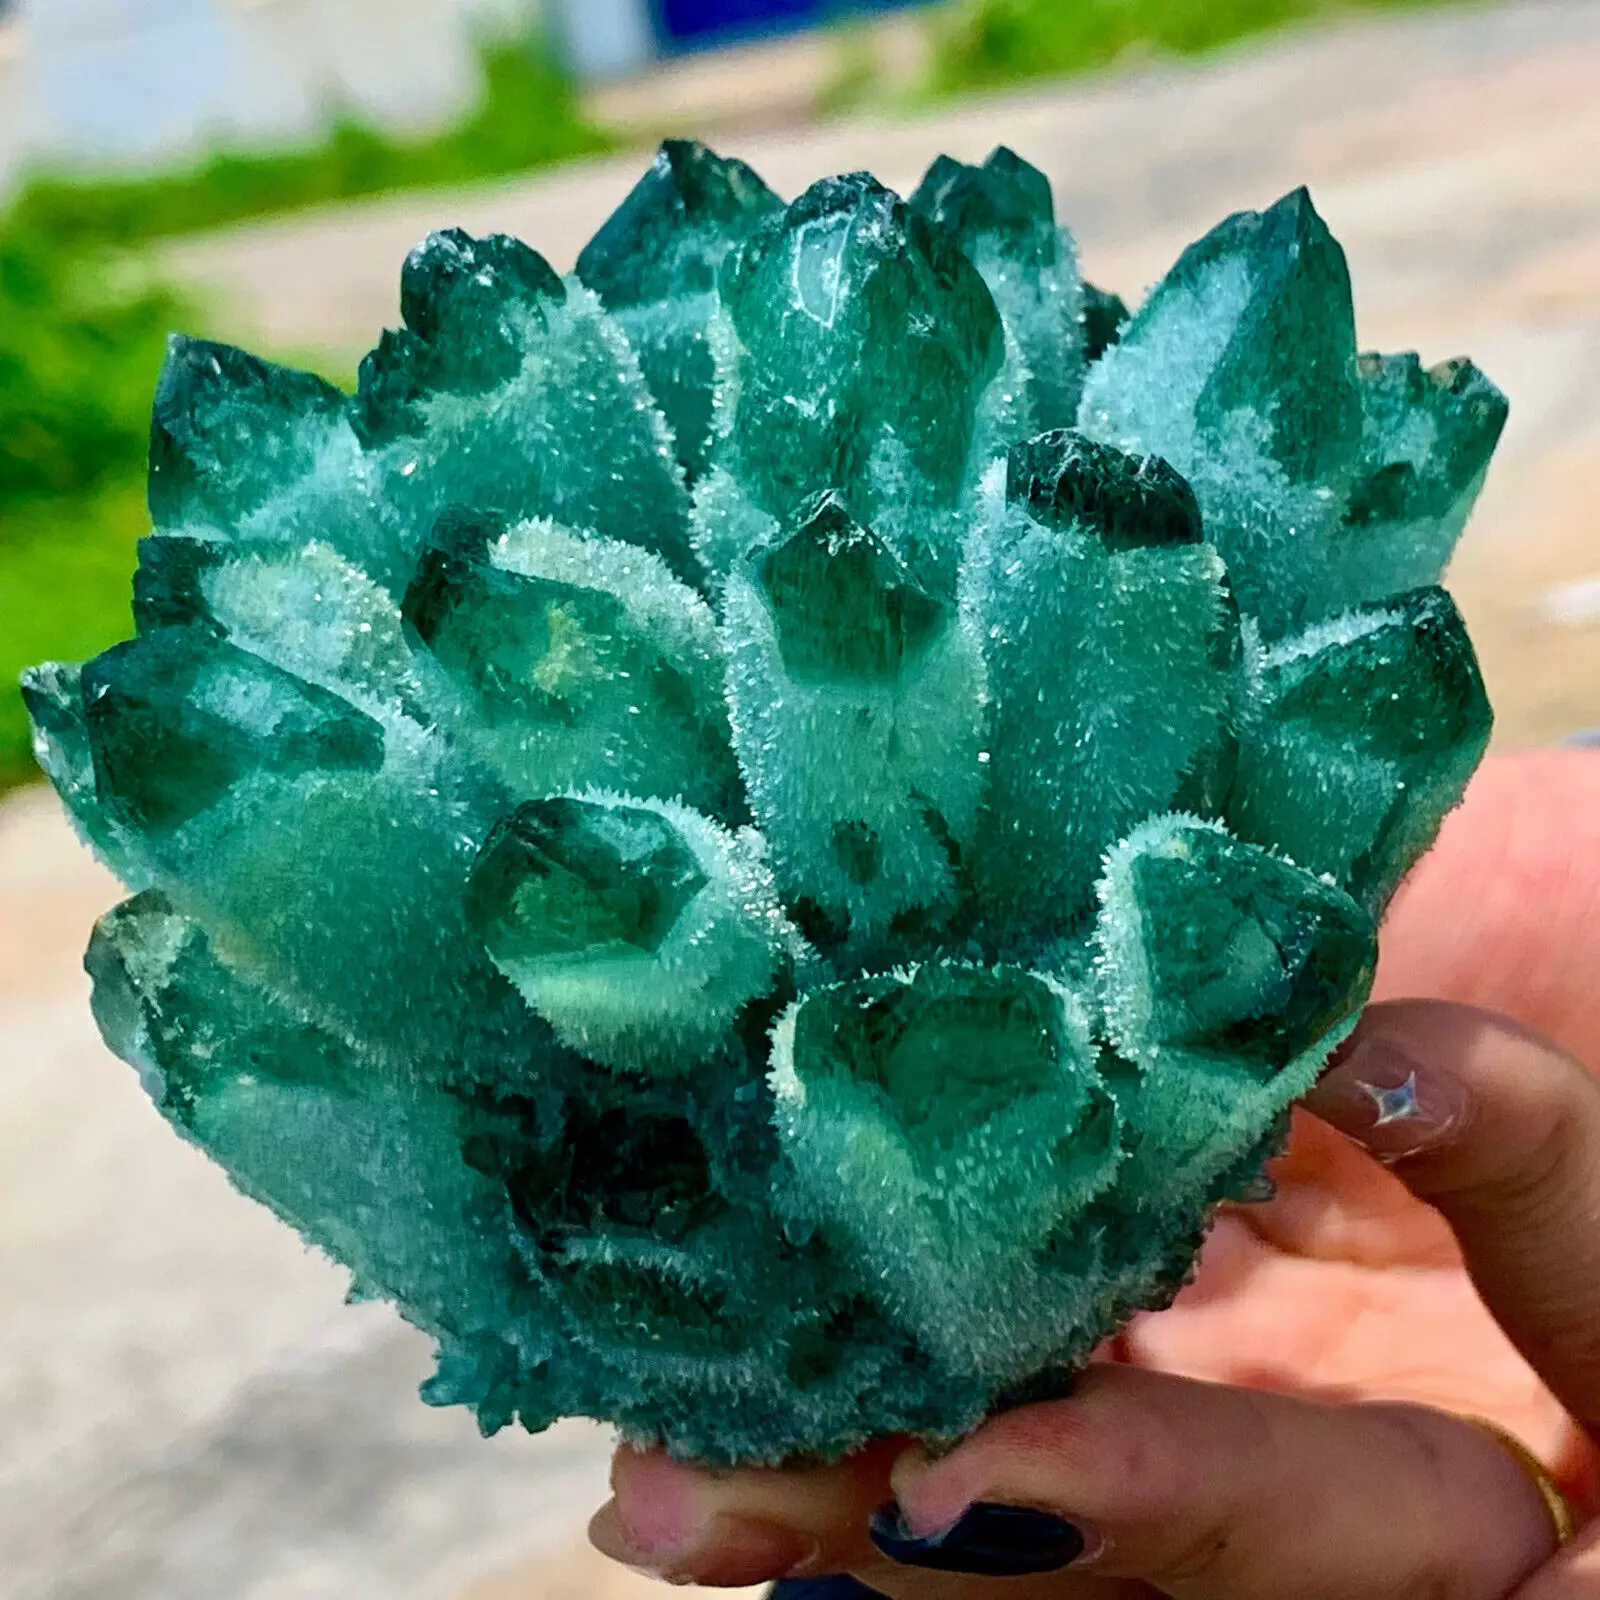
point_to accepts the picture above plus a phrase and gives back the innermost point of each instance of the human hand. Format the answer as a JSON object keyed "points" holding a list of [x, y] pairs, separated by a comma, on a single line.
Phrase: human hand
{"points": [[1290, 1426]]}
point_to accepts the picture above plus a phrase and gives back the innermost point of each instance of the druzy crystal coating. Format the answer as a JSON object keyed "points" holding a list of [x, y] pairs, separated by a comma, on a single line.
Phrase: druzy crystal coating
{"points": [[755, 835]]}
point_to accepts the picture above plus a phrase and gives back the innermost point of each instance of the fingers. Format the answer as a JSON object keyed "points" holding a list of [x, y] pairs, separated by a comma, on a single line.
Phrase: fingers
{"points": [[1200, 1490], [727, 1529], [688, 1524], [1499, 1130], [1139, 1479]]}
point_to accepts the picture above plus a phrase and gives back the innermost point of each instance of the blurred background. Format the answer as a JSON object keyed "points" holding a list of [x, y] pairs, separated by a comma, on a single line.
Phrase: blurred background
{"points": [[187, 1409]]}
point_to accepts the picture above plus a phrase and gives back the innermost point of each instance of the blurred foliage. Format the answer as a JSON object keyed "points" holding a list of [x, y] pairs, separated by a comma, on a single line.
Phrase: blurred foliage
{"points": [[527, 117], [64, 571], [81, 344], [987, 43], [78, 357], [857, 77], [83, 325]]}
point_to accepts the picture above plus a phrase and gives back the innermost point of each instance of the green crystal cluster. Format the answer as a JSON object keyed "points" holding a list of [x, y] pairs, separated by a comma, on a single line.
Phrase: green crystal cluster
{"points": [[756, 834]]}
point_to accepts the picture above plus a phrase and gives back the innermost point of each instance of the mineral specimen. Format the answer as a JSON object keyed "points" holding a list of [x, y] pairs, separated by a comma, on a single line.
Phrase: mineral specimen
{"points": [[757, 834]]}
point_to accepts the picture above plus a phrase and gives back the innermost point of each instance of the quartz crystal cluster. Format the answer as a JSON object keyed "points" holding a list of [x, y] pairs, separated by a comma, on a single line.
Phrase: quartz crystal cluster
{"points": [[755, 834]]}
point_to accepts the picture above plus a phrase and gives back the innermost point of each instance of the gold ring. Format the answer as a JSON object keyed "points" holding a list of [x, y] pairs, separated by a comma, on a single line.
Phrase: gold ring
{"points": [[1556, 1504]]}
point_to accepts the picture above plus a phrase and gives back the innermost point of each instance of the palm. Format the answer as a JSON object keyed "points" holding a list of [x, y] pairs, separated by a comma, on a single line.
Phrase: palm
{"points": [[1343, 1286]]}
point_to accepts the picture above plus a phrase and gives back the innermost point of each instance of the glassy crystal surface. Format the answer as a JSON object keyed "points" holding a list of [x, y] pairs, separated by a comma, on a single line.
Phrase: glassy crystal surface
{"points": [[756, 835], [1003, 215], [654, 266]]}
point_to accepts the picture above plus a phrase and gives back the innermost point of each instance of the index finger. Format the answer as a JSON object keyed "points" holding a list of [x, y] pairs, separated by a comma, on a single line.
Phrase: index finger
{"points": [[1500, 1131]]}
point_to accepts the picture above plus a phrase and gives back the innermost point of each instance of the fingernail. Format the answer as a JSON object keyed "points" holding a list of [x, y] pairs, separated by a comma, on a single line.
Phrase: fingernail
{"points": [[1396, 1107], [986, 1540], [724, 1550]]}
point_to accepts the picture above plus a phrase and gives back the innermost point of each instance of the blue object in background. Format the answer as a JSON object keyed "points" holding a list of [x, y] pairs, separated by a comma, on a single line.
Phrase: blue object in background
{"points": [[693, 22], [613, 38], [690, 19]]}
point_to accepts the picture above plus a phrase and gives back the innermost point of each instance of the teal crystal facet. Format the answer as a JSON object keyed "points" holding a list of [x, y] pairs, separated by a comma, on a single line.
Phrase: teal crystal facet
{"points": [[757, 835]]}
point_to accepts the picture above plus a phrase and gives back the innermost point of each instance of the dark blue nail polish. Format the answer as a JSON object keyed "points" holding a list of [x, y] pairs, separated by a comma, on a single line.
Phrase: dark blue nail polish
{"points": [[821, 1589], [989, 1541]]}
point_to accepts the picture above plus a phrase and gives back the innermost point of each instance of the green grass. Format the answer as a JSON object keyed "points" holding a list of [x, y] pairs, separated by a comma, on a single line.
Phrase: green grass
{"points": [[528, 117], [83, 327], [79, 354], [980, 44], [64, 570]]}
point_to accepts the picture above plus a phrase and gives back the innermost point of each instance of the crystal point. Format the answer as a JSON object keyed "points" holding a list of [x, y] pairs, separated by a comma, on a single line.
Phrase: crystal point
{"points": [[844, 606], [1427, 436], [176, 717], [1005, 197], [456, 288], [1295, 339], [1257, 402], [858, 323], [669, 236], [1363, 735], [654, 265], [968, 1100], [1068, 480], [562, 876], [1233, 955], [227, 428], [466, 303], [1003, 215]]}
